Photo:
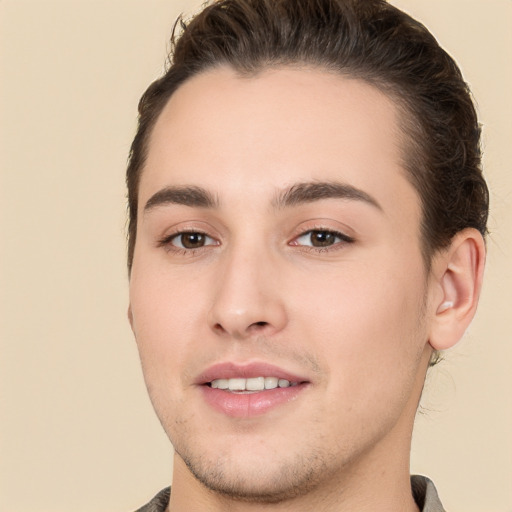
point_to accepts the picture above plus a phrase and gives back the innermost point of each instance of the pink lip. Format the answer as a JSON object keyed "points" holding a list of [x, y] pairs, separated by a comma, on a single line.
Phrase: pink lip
{"points": [[246, 405]]}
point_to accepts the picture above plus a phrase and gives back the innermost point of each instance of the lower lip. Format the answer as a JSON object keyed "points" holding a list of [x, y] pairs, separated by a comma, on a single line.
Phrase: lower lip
{"points": [[246, 405]]}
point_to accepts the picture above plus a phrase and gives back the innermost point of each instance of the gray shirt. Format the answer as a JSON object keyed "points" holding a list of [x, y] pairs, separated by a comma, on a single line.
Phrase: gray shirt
{"points": [[423, 490]]}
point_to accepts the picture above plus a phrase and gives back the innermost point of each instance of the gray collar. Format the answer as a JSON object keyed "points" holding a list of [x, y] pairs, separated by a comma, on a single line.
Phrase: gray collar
{"points": [[425, 494]]}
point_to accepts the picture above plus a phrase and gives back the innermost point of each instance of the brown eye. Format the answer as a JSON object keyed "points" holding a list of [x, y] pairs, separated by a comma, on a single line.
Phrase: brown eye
{"points": [[192, 240], [322, 238]]}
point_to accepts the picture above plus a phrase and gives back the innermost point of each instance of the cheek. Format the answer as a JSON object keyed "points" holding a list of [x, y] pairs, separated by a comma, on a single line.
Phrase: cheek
{"points": [[369, 337], [165, 319], [164, 330], [366, 322]]}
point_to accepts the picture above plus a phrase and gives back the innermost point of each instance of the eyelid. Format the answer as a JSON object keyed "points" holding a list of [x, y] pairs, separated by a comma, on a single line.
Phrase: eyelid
{"points": [[324, 225], [170, 227], [166, 240], [305, 230]]}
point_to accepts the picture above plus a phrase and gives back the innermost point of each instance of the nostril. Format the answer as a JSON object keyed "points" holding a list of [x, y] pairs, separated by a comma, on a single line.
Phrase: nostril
{"points": [[218, 327], [258, 327]]}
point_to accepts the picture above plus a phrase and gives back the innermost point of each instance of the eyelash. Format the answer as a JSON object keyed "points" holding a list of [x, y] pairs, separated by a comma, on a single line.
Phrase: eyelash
{"points": [[166, 242], [344, 239]]}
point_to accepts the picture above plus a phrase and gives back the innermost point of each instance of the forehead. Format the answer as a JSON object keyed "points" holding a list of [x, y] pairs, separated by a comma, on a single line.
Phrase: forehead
{"points": [[236, 134]]}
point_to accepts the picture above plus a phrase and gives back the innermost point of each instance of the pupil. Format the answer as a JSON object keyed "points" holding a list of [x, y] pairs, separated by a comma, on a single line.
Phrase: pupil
{"points": [[322, 238], [192, 240]]}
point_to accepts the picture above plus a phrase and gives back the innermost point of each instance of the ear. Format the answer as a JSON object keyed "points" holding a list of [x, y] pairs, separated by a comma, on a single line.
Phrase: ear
{"points": [[458, 272]]}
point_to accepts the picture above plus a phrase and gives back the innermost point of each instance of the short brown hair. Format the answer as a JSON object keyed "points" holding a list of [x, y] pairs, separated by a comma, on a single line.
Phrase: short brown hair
{"points": [[366, 39]]}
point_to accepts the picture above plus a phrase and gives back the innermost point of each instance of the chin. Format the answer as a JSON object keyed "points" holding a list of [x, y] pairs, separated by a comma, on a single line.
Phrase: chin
{"points": [[265, 480]]}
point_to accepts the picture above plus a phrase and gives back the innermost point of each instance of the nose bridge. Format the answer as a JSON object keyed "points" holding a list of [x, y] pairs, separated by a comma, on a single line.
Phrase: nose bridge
{"points": [[247, 299]]}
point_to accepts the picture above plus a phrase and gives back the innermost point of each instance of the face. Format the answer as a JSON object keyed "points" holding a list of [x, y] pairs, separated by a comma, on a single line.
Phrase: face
{"points": [[278, 293]]}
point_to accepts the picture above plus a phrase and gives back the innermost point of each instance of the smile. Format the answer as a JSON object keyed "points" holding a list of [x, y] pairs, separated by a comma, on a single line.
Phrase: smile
{"points": [[251, 385], [250, 389]]}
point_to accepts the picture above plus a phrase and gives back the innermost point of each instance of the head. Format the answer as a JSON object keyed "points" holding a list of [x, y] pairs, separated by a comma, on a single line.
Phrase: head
{"points": [[306, 204]]}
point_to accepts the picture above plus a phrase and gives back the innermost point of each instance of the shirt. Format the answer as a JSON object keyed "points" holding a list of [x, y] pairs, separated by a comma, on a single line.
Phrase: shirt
{"points": [[423, 490]]}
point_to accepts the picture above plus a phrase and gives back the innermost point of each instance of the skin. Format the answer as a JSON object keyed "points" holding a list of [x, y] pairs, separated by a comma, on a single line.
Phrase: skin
{"points": [[357, 317]]}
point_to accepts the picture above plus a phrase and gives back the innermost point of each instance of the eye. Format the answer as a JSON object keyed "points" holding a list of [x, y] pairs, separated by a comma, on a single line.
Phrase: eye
{"points": [[190, 240], [320, 238]]}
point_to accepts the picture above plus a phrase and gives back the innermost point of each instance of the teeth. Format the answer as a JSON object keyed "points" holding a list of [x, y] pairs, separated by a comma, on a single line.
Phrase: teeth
{"points": [[255, 384], [251, 384], [220, 384], [236, 384], [271, 382]]}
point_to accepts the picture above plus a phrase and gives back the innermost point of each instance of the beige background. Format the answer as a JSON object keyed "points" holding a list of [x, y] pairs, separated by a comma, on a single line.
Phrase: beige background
{"points": [[77, 432]]}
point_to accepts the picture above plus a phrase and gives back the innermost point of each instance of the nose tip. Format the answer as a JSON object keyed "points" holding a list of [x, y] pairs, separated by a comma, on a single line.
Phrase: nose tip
{"points": [[246, 303]]}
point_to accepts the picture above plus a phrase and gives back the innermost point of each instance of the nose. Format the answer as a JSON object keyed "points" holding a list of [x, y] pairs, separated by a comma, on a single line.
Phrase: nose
{"points": [[248, 296]]}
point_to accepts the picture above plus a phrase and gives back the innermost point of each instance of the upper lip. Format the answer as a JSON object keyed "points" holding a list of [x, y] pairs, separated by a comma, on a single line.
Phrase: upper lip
{"points": [[231, 370]]}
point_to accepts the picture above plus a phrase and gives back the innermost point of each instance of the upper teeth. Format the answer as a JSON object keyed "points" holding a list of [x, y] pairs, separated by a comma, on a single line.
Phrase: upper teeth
{"points": [[252, 384]]}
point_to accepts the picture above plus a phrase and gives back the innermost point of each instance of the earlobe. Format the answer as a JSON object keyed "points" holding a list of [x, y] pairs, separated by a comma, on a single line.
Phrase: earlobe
{"points": [[460, 270]]}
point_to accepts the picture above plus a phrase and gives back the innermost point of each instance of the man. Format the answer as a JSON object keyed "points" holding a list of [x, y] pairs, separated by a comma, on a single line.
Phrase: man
{"points": [[307, 213]]}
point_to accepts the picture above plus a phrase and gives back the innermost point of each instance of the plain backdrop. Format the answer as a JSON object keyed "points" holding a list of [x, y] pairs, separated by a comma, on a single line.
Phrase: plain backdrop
{"points": [[77, 432]]}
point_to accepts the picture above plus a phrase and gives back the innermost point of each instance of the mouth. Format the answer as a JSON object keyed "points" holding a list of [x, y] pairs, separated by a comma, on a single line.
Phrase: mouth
{"points": [[249, 390]]}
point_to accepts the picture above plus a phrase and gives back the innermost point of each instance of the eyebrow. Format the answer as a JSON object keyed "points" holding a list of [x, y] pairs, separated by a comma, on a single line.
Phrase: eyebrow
{"points": [[192, 196], [309, 192], [299, 193]]}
